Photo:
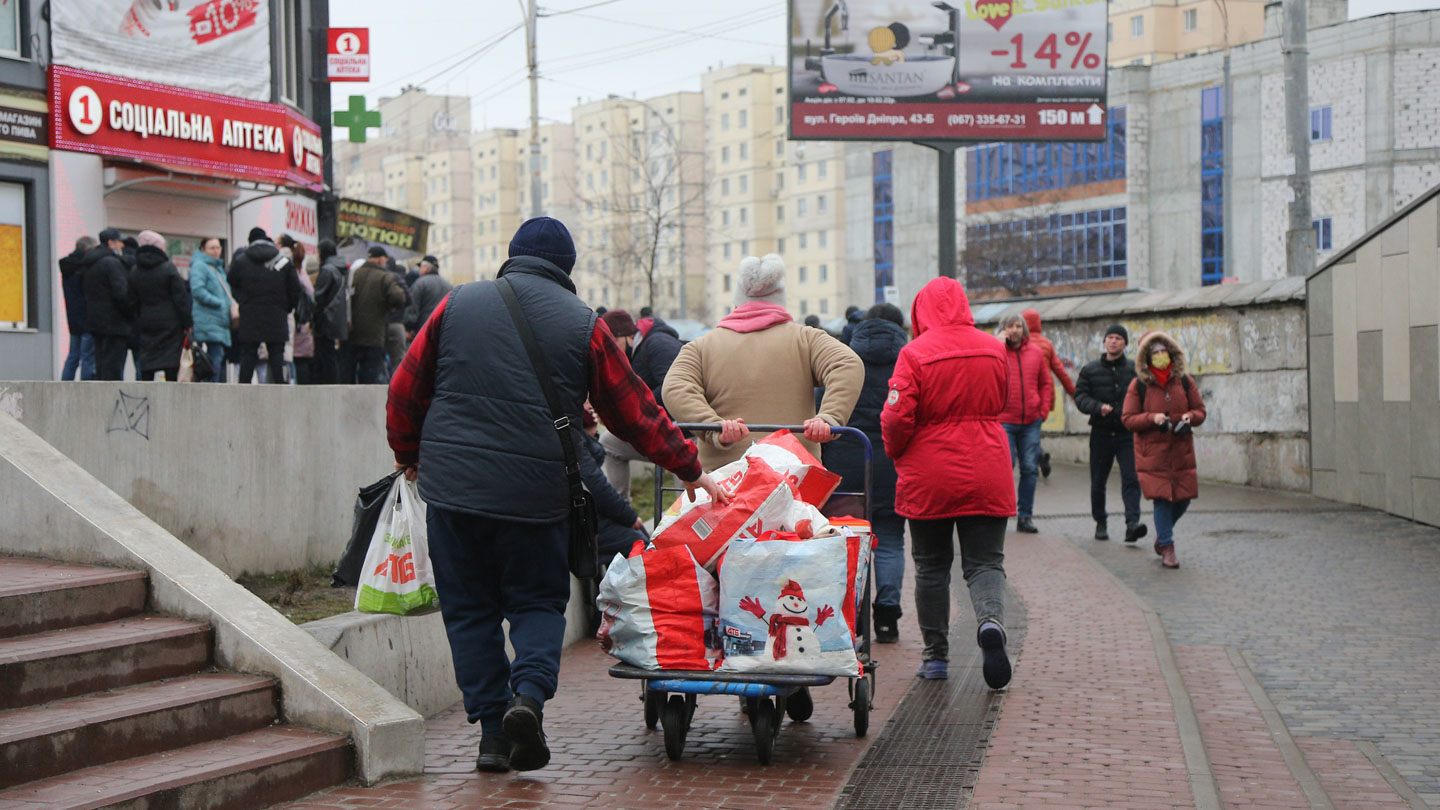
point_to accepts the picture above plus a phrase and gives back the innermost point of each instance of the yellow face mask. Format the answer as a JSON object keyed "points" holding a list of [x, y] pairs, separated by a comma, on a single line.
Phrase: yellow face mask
{"points": [[1160, 360]]}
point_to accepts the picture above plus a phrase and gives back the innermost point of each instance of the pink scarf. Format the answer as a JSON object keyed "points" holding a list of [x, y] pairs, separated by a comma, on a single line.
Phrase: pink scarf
{"points": [[755, 316]]}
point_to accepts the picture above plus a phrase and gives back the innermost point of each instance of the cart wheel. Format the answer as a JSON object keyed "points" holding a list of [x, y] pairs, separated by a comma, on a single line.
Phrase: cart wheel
{"points": [[676, 719], [654, 702], [861, 705], [762, 722], [800, 705]]}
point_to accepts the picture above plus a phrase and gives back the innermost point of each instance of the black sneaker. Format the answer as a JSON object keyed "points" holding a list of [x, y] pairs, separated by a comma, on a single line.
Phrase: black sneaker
{"points": [[1101, 532], [1045, 465], [991, 637], [886, 622], [522, 726], [1135, 531], [494, 755], [1026, 526]]}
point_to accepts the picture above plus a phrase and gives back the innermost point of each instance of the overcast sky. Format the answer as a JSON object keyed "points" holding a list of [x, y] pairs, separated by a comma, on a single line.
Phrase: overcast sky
{"points": [[588, 48]]}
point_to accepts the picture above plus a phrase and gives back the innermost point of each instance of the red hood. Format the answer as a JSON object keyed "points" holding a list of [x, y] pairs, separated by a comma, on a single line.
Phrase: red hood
{"points": [[941, 303], [1032, 320]]}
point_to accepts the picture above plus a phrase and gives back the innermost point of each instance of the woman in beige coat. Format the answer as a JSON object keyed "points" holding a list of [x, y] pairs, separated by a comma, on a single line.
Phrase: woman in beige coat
{"points": [[760, 366]]}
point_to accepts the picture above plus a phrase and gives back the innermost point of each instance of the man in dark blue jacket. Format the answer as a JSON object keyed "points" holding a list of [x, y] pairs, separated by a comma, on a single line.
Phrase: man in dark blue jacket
{"points": [[81, 357], [109, 304], [1100, 392]]}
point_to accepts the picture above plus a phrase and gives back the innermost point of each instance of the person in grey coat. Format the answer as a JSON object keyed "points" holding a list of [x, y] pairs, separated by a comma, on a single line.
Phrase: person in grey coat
{"points": [[426, 294]]}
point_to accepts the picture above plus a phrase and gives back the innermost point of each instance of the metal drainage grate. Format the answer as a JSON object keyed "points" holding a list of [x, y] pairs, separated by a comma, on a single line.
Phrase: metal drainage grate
{"points": [[930, 752]]}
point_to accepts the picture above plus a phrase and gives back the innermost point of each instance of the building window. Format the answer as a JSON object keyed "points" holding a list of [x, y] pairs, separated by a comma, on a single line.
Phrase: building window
{"points": [[727, 255], [824, 273], [824, 306], [1006, 169], [802, 274], [802, 241], [744, 183], [10, 30], [883, 219], [804, 307], [287, 28], [1212, 185], [725, 218], [1191, 20], [744, 151], [800, 207], [1137, 27], [800, 172], [744, 216], [744, 247], [744, 119], [724, 154], [824, 238], [779, 213], [820, 204], [780, 245], [779, 147], [1322, 233], [779, 115], [727, 282], [16, 282], [725, 187], [1054, 249], [725, 122], [1319, 124], [820, 169]]}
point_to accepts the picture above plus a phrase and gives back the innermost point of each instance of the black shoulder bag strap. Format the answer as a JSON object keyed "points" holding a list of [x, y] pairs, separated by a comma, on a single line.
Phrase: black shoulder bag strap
{"points": [[584, 552]]}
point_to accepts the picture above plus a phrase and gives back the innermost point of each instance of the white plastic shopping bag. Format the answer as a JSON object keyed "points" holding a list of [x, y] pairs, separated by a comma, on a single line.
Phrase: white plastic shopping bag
{"points": [[783, 607], [396, 577], [658, 611]]}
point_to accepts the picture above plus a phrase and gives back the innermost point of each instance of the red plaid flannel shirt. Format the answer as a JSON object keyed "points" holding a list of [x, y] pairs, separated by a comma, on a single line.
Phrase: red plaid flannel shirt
{"points": [[622, 400]]}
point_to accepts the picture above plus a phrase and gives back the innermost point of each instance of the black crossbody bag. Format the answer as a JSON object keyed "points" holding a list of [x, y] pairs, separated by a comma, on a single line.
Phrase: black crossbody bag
{"points": [[584, 550]]}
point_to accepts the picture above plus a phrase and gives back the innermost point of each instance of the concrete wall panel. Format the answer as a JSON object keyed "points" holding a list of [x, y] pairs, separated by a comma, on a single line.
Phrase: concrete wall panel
{"points": [[1320, 295], [1426, 499], [1347, 370], [1372, 428], [1396, 309], [1347, 451], [1424, 280], [1322, 403], [1369, 288], [1425, 403]]}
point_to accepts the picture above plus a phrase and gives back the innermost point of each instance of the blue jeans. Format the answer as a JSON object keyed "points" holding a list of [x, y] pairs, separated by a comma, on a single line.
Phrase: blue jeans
{"points": [[489, 570], [889, 558], [1167, 514], [216, 352], [1025, 446], [81, 357]]}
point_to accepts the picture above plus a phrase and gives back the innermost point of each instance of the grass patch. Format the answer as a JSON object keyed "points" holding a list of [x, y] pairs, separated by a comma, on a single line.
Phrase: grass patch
{"points": [[303, 595]]}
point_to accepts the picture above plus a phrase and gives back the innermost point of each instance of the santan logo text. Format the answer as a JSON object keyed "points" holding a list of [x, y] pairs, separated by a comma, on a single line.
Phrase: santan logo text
{"points": [[893, 77]]}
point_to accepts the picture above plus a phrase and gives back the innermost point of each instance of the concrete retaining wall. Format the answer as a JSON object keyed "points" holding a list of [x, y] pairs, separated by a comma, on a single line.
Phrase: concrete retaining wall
{"points": [[256, 478], [55, 509], [1246, 346]]}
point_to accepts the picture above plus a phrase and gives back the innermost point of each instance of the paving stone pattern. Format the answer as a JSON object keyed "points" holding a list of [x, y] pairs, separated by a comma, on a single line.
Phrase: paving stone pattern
{"points": [[1335, 611]]}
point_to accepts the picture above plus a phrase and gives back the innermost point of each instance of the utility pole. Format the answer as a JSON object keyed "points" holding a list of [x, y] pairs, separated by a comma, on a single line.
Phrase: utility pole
{"points": [[1300, 236], [532, 62]]}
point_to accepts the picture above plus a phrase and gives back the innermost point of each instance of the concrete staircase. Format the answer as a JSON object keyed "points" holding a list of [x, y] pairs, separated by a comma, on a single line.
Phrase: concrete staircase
{"points": [[104, 705]]}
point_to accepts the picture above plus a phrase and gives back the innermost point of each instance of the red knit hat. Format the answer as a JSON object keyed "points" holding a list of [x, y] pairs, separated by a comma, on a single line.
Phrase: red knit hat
{"points": [[792, 588], [620, 322]]}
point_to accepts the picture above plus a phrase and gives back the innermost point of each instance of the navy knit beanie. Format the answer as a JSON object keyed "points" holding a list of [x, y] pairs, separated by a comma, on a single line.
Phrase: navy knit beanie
{"points": [[545, 238]]}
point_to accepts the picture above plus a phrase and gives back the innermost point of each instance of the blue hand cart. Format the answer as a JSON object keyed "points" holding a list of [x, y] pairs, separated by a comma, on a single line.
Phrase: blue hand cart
{"points": [[670, 695]]}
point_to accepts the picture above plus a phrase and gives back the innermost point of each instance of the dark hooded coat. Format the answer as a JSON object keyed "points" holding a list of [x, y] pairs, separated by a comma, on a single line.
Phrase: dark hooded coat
{"points": [[164, 299]]}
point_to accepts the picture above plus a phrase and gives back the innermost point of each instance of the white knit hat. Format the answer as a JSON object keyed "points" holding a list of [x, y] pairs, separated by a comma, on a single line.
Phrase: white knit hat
{"points": [[761, 279]]}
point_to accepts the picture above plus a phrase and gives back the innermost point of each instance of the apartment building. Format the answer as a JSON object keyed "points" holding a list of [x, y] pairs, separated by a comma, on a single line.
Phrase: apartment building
{"points": [[638, 189], [765, 194], [419, 163]]}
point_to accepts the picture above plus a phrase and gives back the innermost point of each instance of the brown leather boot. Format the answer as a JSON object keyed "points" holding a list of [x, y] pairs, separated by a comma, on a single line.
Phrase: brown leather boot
{"points": [[1167, 556]]}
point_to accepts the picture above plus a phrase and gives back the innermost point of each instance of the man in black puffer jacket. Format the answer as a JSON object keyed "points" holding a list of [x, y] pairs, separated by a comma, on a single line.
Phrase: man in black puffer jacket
{"points": [[331, 325], [110, 307], [1100, 391], [267, 288], [81, 357], [878, 339]]}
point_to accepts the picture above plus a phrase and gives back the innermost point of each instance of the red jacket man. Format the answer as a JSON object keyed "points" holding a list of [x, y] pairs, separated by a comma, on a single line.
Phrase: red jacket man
{"points": [[1029, 399]]}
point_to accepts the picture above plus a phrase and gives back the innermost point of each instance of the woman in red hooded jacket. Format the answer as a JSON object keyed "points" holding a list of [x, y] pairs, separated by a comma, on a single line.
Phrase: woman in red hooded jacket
{"points": [[1162, 406], [952, 462]]}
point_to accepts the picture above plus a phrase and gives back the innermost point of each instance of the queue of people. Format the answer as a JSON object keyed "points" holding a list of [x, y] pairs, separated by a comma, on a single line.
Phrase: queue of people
{"points": [[276, 313]]}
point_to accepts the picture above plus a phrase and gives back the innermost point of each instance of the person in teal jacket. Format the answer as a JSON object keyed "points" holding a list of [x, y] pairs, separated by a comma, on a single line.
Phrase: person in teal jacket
{"points": [[211, 294]]}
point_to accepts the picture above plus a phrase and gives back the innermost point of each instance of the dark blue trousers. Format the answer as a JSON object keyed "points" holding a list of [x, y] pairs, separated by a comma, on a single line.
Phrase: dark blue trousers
{"points": [[488, 570]]}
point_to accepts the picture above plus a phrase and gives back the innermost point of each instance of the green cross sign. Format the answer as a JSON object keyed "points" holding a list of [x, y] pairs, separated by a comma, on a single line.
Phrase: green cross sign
{"points": [[357, 119]]}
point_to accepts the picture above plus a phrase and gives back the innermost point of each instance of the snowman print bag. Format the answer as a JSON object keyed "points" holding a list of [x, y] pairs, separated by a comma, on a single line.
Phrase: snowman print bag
{"points": [[782, 608]]}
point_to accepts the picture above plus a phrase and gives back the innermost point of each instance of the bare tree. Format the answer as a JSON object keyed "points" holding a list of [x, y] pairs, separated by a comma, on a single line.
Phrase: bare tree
{"points": [[1013, 251], [647, 202]]}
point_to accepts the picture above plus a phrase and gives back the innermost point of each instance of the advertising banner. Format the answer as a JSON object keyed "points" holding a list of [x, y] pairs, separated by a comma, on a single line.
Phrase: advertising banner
{"points": [[218, 46], [382, 226], [347, 55], [979, 70], [218, 135]]}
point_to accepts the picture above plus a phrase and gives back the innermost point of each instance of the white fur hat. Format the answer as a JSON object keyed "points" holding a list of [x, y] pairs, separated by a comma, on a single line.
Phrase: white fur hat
{"points": [[761, 279]]}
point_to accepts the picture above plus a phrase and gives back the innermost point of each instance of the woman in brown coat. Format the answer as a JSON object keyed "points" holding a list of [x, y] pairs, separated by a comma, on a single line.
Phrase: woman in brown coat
{"points": [[1161, 408]]}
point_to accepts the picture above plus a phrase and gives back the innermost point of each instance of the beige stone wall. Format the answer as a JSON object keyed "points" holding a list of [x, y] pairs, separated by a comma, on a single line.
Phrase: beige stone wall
{"points": [[1374, 315]]}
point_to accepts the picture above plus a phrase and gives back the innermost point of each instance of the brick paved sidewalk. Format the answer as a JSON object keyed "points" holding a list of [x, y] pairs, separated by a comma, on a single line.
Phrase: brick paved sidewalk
{"points": [[603, 756]]}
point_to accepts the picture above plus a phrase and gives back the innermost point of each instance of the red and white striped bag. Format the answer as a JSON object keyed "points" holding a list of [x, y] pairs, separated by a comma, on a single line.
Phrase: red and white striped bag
{"points": [[658, 611]]}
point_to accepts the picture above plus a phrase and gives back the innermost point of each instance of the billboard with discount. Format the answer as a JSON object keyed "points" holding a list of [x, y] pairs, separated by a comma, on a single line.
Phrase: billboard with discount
{"points": [[929, 70], [218, 46]]}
